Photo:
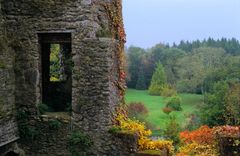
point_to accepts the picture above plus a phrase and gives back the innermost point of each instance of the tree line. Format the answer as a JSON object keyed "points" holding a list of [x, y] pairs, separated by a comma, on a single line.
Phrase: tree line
{"points": [[188, 65]]}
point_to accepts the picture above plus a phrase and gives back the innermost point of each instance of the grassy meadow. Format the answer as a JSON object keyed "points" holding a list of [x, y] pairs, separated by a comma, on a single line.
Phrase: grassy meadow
{"points": [[154, 104]]}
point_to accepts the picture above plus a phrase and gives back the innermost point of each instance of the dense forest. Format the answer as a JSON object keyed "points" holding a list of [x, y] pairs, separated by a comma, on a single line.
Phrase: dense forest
{"points": [[209, 67]]}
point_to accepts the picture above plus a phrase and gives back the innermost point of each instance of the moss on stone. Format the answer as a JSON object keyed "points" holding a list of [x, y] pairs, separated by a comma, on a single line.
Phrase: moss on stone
{"points": [[104, 33], [3, 113], [151, 153], [2, 64], [118, 131], [46, 5], [79, 143]]}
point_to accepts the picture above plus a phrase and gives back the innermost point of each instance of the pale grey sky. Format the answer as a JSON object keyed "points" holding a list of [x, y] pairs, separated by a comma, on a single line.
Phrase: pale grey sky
{"points": [[148, 22]]}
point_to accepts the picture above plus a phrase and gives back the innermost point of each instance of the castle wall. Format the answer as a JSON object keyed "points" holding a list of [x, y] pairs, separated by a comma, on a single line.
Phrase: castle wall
{"points": [[1, 17], [51, 137], [8, 125], [95, 95]]}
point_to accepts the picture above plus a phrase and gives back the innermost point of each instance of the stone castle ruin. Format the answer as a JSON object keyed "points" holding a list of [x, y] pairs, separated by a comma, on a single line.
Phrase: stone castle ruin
{"points": [[90, 36]]}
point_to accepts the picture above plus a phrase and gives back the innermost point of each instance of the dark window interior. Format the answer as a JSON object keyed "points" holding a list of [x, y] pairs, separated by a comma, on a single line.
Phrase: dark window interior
{"points": [[56, 69], [11, 154]]}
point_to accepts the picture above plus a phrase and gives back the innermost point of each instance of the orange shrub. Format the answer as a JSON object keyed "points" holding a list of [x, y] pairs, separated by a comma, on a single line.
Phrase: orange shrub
{"points": [[203, 135], [203, 141]]}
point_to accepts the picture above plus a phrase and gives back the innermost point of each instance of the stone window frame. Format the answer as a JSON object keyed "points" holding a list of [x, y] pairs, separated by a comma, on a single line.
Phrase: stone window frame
{"points": [[52, 37]]}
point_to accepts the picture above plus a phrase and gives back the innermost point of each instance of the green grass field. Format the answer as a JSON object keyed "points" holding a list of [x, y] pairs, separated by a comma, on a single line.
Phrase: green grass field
{"points": [[154, 104]]}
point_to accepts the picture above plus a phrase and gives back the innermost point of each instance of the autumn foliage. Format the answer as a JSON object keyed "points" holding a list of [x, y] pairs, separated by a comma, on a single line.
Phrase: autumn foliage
{"points": [[199, 142], [194, 149], [203, 141], [203, 135], [144, 143], [136, 108], [227, 131]]}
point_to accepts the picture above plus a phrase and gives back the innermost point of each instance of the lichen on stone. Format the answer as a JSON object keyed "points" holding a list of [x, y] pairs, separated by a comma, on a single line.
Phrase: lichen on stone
{"points": [[104, 33], [2, 64], [3, 113]]}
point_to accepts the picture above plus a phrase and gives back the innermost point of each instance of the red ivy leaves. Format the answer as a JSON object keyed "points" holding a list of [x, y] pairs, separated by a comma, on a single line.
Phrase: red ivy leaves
{"points": [[227, 131]]}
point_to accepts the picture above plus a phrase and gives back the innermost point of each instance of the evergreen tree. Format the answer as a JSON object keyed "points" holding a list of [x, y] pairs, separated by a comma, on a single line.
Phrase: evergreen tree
{"points": [[141, 83], [159, 80]]}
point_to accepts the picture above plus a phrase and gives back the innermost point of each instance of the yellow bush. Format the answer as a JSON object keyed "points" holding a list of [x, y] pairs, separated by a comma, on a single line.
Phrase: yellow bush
{"points": [[144, 143], [197, 150], [148, 144], [133, 126]]}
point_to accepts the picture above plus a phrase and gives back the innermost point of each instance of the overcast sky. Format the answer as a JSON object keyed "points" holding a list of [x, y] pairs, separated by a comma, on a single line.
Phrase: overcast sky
{"points": [[148, 22]]}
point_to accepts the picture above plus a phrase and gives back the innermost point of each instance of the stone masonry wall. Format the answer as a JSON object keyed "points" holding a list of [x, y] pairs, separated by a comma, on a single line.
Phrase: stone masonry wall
{"points": [[1, 18], [25, 19], [95, 95], [51, 137], [8, 125]]}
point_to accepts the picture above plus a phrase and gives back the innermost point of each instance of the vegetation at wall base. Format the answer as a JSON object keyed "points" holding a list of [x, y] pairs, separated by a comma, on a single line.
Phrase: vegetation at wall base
{"points": [[54, 124], [151, 153], [144, 143], [43, 108], [78, 143], [26, 131]]}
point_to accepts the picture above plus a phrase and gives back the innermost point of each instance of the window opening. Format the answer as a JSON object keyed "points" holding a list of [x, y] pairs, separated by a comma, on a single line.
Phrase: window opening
{"points": [[56, 71]]}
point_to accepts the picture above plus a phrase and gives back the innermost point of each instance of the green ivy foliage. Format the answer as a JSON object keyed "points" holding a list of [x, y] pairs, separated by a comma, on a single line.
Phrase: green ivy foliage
{"points": [[79, 143]]}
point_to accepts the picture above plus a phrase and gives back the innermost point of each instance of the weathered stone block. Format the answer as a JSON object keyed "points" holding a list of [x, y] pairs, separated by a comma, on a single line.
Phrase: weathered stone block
{"points": [[229, 146]]}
